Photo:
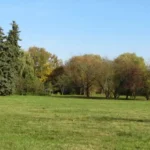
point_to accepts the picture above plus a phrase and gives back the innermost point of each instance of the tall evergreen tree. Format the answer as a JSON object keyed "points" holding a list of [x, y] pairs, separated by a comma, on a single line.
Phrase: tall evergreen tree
{"points": [[13, 52], [5, 68], [13, 35], [12, 41], [1, 35], [2, 79], [9, 56]]}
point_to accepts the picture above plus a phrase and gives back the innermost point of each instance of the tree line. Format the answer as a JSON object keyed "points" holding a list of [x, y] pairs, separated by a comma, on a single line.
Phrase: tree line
{"points": [[37, 71]]}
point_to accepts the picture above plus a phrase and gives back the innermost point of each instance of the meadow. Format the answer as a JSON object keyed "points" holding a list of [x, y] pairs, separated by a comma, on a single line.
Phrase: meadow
{"points": [[71, 123]]}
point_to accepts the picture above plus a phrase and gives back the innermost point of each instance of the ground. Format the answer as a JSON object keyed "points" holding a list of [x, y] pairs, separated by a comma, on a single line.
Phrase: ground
{"points": [[63, 123]]}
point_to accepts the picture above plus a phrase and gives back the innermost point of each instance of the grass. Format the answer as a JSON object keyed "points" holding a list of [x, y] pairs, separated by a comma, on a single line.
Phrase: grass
{"points": [[60, 123]]}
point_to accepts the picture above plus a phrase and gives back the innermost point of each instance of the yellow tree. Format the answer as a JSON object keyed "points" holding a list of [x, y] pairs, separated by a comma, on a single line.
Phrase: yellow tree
{"points": [[44, 62]]}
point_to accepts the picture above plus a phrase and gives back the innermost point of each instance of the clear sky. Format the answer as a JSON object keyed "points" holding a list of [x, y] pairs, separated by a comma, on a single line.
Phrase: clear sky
{"points": [[74, 27]]}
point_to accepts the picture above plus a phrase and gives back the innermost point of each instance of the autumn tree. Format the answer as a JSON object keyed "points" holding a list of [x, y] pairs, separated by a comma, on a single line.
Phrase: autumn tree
{"points": [[129, 71], [44, 62], [145, 91], [104, 78], [82, 70]]}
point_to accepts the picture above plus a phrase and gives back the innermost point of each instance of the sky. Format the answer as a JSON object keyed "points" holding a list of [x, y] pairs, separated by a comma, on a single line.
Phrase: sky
{"points": [[75, 27]]}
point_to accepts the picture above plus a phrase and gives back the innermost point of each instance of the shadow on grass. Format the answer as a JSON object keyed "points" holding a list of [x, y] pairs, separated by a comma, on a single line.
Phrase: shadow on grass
{"points": [[105, 118], [80, 97], [94, 97]]}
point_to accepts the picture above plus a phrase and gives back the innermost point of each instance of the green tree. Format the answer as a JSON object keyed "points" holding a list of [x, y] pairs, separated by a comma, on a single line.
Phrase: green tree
{"points": [[59, 80], [13, 53], [4, 66], [7, 67], [13, 37], [26, 74], [13, 44]]}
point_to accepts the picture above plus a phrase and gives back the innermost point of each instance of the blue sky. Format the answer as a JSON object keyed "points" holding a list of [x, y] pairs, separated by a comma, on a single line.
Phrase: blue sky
{"points": [[75, 27]]}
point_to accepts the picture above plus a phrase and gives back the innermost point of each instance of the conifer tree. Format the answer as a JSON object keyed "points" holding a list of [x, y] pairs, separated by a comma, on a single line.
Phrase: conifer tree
{"points": [[14, 53], [9, 56], [5, 69]]}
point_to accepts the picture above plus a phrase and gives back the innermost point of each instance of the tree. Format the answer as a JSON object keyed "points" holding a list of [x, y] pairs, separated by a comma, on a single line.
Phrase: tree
{"points": [[8, 62], [5, 85], [104, 77], [59, 80], [13, 43], [9, 54], [13, 52], [82, 70], [26, 75], [2, 36], [44, 62], [13, 37], [145, 91], [129, 72]]}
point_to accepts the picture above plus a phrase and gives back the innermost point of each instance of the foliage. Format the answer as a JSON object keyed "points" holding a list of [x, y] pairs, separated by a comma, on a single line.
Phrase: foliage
{"points": [[60, 80], [38, 71], [146, 86], [44, 62], [9, 53], [104, 78], [83, 71], [5, 74], [129, 72]]}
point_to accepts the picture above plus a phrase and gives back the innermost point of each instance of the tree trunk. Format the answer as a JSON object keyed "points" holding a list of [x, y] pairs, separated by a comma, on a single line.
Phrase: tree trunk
{"points": [[81, 91], [84, 90], [62, 90], [115, 94], [107, 94], [147, 96], [127, 95], [87, 92], [134, 95]]}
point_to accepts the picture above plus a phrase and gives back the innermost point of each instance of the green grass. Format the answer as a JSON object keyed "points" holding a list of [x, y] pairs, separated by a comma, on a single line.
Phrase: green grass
{"points": [[59, 123]]}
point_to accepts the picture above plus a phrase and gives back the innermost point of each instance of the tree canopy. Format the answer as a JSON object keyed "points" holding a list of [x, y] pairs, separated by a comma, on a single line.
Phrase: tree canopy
{"points": [[38, 71]]}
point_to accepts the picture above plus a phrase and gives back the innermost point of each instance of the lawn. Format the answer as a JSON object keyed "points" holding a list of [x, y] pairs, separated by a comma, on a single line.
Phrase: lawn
{"points": [[60, 123]]}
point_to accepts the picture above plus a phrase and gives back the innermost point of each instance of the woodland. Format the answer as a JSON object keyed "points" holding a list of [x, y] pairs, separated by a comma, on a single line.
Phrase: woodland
{"points": [[37, 71]]}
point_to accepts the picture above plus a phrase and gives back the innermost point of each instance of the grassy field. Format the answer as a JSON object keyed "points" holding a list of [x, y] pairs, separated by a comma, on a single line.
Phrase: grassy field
{"points": [[59, 123]]}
